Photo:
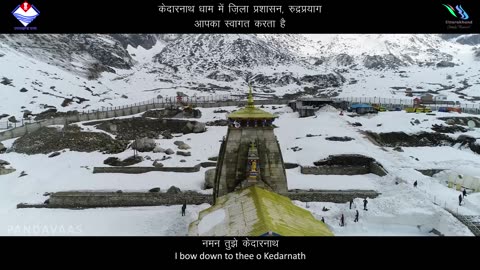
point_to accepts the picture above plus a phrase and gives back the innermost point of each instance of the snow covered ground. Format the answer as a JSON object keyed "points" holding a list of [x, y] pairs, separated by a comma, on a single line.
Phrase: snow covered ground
{"points": [[133, 221], [401, 209]]}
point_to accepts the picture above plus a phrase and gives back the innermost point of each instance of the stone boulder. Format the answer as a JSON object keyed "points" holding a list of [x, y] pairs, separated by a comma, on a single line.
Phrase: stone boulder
{"points": [[218, 123], [157, 189], [398, 149], [209, 178], [54, 154], [220, 111], [178, 143], [144, 144], [183, 153], [4, 163], [339, 139], [443, 64], [199, 127], [4, 171], [450, 121], [157, 164], [169, 151], [27, 113], [114, 161], [184, 146], [3, 149], [174, 190], [167, 134], [464, 139], [158, 149], [12, 119], [207, 164], [290, 165], [188, 128]]}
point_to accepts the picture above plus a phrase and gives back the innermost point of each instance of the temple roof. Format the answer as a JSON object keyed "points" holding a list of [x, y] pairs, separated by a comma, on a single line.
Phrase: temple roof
{"points": [[250, 111], [255, 211]]}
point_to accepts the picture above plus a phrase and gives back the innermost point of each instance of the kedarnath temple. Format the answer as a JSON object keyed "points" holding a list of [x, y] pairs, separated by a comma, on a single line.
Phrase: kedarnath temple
{"points": [[249, 180], [250, 153]]}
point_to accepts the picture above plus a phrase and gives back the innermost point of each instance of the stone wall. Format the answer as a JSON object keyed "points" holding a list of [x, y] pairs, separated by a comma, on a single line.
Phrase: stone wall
{"points": [[430, 172], [373, 167], [377, 168], [128, 199], [137, 170], [330, 196], [113, 199], [335, 170]]}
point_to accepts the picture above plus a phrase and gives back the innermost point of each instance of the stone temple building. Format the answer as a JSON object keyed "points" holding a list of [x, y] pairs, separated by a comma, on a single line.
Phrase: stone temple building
{"points": [[249, 182], [250, 153]]}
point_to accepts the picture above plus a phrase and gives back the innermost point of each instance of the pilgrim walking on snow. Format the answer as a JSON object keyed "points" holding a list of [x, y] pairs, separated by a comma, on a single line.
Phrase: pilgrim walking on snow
{"points": [[460, 199], [415, 183], [184, 207], [365, 204], [342, 221], [356, 217]]}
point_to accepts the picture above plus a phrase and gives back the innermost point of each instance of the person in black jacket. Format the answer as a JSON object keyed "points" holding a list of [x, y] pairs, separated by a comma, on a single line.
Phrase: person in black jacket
{"points": [[460, 199], [415, 183], [351, 202], [464, 192], [184, 207], [342, 221], [356, 217], [365, 204]]}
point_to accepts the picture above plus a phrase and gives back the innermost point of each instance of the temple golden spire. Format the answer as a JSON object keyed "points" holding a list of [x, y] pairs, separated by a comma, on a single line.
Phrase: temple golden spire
{"points": [[250, 112]]}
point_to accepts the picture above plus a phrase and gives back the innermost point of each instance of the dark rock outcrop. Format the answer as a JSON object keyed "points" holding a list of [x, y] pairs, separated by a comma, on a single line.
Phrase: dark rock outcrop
{"points": [[46, 140]]}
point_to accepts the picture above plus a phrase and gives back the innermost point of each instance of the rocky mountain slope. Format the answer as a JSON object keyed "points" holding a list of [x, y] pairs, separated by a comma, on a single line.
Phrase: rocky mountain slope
{"points": [[92, 71]]}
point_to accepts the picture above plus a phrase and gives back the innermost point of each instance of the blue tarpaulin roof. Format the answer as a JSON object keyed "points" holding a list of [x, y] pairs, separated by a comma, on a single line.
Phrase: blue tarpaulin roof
{"points": [[356, 106]]}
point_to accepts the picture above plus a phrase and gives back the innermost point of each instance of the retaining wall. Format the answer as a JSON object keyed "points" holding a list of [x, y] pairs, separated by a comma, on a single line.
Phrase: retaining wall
{"points": [[335, 170], [330, 196], [138, 170], [372, 167], [72, 200], [112, 199]]}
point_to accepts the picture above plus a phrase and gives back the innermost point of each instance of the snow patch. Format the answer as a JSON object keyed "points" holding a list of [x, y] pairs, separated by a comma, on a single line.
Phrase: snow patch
{"points": [[211, 220]]}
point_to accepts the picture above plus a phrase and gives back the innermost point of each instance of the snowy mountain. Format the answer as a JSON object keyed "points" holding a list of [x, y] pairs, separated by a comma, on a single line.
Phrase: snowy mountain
{"points": [[383, 51], [91, 71], [469, 39]]}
